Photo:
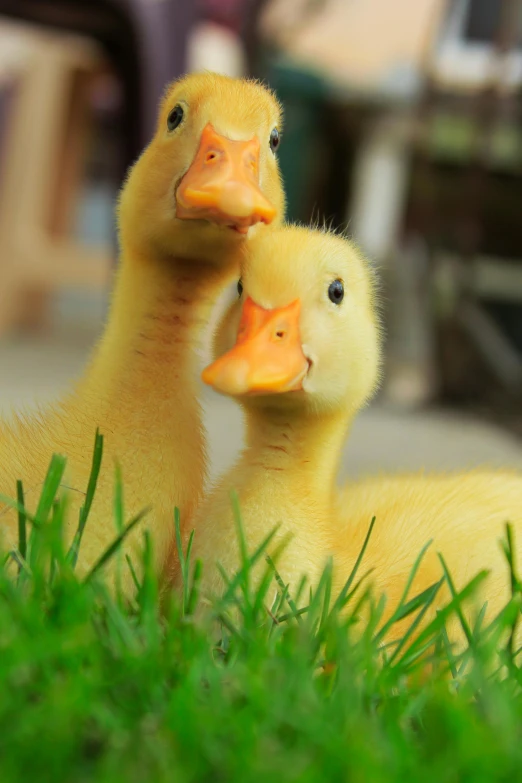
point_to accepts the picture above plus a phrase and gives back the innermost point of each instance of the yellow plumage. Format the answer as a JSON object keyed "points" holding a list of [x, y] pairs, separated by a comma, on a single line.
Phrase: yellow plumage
{"points": [[287, 471], [140, 388]]}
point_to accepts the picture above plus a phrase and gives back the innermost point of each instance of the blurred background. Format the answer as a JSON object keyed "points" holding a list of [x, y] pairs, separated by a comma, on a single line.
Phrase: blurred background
{"points": [[403, 124]]}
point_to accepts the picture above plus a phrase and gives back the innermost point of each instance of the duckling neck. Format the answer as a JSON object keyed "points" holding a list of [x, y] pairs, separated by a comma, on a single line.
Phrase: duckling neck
{"points": [[302, 450], [149, 348]]}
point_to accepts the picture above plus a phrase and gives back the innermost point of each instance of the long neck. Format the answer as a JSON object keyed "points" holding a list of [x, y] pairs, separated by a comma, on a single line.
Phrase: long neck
{"points": [[150, 345], [142, 385], [302, 450]]}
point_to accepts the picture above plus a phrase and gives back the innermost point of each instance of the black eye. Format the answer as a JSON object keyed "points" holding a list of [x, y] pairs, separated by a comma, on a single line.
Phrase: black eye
{"points": [[239, 287], [336, 292], [175, 117], [275, 138]]}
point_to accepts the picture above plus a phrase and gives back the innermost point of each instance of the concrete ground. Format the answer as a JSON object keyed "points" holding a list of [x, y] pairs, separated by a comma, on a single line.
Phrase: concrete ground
{"points": [[39, 370]]}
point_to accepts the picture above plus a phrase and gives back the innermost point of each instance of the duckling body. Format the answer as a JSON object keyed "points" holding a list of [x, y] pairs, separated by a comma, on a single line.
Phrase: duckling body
{"points": [[279, 484], [463, 513], [141, 391], [204, 184], [309, 297]]}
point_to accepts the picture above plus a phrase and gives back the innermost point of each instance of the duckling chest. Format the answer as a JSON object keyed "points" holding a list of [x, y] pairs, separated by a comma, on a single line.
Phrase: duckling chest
{"points": [[288, 519]]}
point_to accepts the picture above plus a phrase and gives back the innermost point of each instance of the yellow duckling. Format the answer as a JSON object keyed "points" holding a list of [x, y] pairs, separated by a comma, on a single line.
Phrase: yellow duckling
{"points": [[207, 180], [305, 360]]}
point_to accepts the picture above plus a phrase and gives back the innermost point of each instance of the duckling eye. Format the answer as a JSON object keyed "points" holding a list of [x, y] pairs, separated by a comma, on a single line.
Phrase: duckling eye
{"points": [[175, 117], [336, 292], [239, 287], [274, 139]]}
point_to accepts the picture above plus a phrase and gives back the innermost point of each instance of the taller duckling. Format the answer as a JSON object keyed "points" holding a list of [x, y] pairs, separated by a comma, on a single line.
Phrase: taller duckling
{"points": [[303, 357], [207, 181]]}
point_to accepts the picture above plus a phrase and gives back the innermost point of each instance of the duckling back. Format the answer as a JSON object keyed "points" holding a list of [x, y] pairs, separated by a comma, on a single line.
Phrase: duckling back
{"points": [[463, 514]]}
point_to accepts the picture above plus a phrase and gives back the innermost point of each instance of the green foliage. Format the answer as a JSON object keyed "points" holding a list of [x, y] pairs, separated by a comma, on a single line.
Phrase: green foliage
{"points": [[269, 681]]}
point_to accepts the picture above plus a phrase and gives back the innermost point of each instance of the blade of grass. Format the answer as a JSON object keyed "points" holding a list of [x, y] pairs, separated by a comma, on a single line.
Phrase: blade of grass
{"points": [[72, 554], [54, 531], [148, 594], [428, 596], [233, 584], [184, 559], [327, 573], [109, 552], [300, 588], [193, 595], [516, 589], [434, 626], [20, 561], [119, 521], [229, 625], [243, 549], [284, 618], [448, 651], [399, 614], [22, 520], [133, 572], [97, 456], [340, 599], [415, 603], [116, 618], [284, 589], [458, 608], [267, 578], [353, 617], [478, 637], [477, 628], [40, 535], [355, 589], [50, 487], [509, 552]]}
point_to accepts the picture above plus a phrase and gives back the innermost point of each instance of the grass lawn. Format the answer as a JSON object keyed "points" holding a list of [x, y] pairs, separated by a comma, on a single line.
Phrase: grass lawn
{"points": [[93, 689]]}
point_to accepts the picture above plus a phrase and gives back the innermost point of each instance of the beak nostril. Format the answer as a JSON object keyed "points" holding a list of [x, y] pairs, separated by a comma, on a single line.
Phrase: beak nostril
{"points": [[222, 184], [280, 335]]}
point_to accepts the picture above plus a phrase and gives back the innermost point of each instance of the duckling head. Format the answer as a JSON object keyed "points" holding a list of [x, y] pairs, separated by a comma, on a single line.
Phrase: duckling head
{"points": [[304, 331], [210, 176]]}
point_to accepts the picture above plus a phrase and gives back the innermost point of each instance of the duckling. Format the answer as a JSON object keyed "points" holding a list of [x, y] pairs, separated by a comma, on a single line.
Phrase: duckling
{"points": [[206, 183], [305, 358]]}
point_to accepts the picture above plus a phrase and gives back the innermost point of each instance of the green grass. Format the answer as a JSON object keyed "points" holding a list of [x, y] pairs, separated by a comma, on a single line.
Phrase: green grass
{"points": [[93, 688]]}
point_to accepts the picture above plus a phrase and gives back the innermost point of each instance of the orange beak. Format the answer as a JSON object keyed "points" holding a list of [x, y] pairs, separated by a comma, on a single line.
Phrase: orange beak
{"points": [[267, 357], [222, 184]]}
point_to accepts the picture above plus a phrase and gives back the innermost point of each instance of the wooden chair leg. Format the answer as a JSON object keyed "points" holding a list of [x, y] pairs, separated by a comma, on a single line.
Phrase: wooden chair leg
{"points": [[10, 298], [34, 310], [72, 154], [41, 173], [35, 313]]}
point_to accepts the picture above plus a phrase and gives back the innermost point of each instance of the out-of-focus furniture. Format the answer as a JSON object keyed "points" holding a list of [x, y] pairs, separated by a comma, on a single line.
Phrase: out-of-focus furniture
{"points": [[352, 74], [362, 60], [385, 73], [463, 200], [145, 41], [43, 151]]}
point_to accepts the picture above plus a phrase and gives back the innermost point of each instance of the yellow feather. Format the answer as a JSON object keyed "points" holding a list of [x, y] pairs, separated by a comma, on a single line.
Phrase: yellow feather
{"points": [[140, 388]]}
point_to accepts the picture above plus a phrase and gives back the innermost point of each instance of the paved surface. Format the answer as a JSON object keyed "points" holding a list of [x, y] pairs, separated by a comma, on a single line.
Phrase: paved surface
{"points": [[36, 371]]}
